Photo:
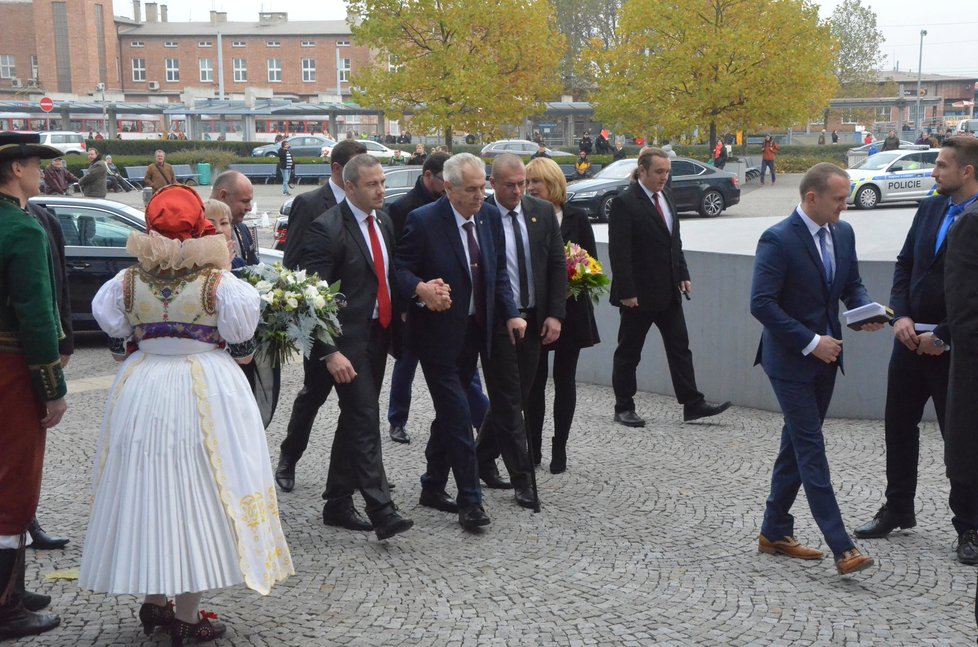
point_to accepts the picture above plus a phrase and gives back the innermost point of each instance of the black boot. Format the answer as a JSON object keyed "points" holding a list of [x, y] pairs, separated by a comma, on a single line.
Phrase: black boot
{"points": [[31, 601], [42, 540], [15, 620], [558, 456]]}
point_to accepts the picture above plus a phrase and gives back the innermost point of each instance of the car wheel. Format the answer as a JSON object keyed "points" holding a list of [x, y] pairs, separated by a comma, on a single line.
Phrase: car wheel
{"points": [[868, 197], [604, 210], [711, 205], [191, 182], [272, 154]]}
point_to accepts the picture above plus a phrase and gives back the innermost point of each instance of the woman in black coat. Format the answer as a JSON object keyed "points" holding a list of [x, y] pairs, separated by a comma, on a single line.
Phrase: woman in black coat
{"points": [[546, 181]]}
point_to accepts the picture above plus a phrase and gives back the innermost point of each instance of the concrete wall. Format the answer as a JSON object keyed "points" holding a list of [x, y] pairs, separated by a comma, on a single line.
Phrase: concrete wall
{"points": [[724, 336]]}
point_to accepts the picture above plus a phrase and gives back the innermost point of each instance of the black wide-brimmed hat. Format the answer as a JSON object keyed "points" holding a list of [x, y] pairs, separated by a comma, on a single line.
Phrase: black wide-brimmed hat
{"points": [[24, 145]]}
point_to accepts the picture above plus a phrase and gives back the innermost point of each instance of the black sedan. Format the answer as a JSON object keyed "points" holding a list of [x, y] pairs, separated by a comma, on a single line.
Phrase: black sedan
{"points": [[95, 246], [695, 187]]}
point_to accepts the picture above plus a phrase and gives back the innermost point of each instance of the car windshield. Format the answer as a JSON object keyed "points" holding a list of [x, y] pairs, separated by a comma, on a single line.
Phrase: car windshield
{"points": [[618, 170], [877, 162]]}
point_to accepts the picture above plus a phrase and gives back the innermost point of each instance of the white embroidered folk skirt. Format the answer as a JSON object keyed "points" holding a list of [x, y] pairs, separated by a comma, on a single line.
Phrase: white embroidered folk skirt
{"points": [[184, 499]]}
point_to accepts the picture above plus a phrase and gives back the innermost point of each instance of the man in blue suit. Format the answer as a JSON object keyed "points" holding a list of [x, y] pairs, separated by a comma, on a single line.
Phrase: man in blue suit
{"points": [[920, 363], [452, 261], [804, 266]]}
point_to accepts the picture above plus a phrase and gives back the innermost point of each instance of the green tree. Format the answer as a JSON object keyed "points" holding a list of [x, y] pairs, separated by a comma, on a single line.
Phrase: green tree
{"points": [[457, 65], [860, 53], [728, 64], [585, 24]]}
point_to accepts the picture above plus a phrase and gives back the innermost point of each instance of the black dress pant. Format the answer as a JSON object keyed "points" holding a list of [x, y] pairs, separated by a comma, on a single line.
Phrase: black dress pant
{"points": [[565, 396], [317, 384], [632, 329], [509, 375], [912, 380]]}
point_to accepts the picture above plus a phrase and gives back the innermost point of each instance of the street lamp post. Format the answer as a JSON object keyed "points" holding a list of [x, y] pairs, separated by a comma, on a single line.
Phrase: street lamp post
{"points": [[920, 62]]}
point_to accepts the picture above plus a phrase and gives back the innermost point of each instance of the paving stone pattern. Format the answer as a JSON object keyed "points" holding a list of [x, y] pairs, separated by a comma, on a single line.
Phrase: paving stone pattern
{"points": [[649, 538]]}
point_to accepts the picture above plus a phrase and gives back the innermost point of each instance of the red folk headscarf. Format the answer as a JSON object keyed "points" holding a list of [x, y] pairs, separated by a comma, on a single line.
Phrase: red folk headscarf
{"points": [[177, 212]]}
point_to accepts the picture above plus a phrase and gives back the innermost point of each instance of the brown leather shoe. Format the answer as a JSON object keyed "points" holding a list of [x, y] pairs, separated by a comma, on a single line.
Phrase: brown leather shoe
{"points": [[787, 546], [852, 561]]}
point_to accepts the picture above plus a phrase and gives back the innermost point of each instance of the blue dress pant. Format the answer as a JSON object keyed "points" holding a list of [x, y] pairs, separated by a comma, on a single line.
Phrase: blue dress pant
{"points": [[402, 377]]}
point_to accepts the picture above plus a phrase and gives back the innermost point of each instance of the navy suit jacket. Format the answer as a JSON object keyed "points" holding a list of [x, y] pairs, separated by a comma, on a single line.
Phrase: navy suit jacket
{"points": [[431, 248], [791, 298], [918, 280]]}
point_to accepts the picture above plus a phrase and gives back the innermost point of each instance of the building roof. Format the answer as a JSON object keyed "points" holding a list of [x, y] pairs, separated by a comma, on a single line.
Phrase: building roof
{"points": [[899, 76], [176, 29]]}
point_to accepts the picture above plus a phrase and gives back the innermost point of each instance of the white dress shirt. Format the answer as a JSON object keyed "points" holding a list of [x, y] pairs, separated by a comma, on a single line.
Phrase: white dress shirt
{"points": [[512, 264], [813, 229], [338, 192]]}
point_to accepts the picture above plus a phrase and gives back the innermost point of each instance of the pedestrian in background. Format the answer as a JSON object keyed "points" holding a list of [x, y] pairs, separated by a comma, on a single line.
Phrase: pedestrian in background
{"points": [[419, 156], [93, 183], [892, 142], [720, 156], [768, 152], [286, 164], [58, 179], [160, 173]]}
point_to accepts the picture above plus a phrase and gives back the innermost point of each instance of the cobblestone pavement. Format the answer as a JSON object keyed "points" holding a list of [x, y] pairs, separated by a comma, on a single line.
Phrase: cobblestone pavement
{"points": [[649, 538]]}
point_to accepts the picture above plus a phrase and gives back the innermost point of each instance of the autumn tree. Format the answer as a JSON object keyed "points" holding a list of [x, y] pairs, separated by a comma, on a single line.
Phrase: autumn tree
{"points": [[585, 24], [457, 65], [727, 64], [860, 54]]}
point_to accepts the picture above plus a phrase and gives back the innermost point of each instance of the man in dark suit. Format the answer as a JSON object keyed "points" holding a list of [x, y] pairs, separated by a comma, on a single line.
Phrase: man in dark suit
{"points": [[236, 191], [948, 226], [353, 243], [310, 205], [305, 209], [452, 261], [649, 278], [429, 187], [804, 265], [537, 270]]}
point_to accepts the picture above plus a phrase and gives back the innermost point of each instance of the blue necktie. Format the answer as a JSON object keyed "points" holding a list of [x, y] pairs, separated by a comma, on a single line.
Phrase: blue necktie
{"points": [[826, 258], [952, 213]]}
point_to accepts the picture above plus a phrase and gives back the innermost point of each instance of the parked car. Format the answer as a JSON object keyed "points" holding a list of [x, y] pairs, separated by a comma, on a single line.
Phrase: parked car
{"points": [[521, 147], [904, 145], [95, 246], [695, 187], [967, 127], [302, 146], [892, 176], [399, 180], [69, 143], [376, 149]]}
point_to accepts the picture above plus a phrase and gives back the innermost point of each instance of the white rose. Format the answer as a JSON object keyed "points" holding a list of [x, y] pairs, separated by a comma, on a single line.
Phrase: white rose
{"points": [[263, 286], [268, 297], [318, 302], [292, 302], [300, 276]]}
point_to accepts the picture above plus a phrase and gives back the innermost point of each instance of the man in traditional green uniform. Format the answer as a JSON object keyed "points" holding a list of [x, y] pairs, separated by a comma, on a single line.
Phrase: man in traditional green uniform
{"points": [[32, 383]]}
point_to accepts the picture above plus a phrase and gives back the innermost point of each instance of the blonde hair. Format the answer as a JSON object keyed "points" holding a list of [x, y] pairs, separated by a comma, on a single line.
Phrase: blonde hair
{"points": [[214, 209], [549, 171]]}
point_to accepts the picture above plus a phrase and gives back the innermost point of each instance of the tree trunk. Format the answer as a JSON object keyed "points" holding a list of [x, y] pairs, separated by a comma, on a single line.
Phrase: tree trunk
{"points": [[448, 138], [713, 137]]}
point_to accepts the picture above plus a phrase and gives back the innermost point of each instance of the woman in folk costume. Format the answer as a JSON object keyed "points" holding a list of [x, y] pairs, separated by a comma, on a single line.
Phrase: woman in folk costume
{"points": [[184, 500]]}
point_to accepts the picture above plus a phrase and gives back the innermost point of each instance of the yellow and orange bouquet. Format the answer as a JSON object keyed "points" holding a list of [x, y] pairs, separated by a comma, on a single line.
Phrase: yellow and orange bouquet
{"points": [[584, 273]]}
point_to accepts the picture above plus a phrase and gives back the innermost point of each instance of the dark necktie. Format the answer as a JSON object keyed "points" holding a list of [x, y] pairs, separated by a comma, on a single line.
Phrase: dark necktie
{"points": [[475, 269], [383, 294], [521, 262], [952, 213], [826, 257], [658, 207]]}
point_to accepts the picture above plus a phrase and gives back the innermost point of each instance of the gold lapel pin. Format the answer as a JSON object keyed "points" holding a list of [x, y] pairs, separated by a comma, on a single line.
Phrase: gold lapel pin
{"points": [[533, 219]]}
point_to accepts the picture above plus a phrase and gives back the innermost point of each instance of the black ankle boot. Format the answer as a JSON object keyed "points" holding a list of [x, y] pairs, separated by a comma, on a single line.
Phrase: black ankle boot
{"points": [[42, 540], [558, 457], [152, 616], [31, 601], [15, 620]]}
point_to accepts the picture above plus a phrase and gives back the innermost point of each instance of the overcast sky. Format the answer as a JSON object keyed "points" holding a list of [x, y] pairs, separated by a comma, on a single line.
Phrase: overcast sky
{"points": [[949, 47]]}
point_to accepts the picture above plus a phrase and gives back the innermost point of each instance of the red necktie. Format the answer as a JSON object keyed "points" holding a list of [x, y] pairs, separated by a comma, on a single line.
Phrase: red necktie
{"points": [[655, 201], [383, 294]]}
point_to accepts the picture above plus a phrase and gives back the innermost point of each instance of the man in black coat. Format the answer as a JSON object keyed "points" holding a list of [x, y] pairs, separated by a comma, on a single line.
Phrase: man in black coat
{"points": [[310, 205], [649, 280], [956, 174], [537, 271]]}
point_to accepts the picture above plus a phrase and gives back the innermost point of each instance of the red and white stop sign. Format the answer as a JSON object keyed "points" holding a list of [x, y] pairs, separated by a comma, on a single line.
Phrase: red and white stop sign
{"points": [[47, 104]]}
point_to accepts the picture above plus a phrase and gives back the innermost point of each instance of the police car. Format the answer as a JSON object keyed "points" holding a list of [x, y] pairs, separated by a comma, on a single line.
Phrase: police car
{"points": [[892, 176]]}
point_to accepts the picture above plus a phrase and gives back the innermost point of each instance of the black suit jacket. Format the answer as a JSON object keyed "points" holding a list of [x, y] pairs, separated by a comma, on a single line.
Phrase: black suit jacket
{"points": [[918, 280], [419, 196], [336, 250], [56, 238], [580, 329], [646, 260], [546, 255], [305, 208]]}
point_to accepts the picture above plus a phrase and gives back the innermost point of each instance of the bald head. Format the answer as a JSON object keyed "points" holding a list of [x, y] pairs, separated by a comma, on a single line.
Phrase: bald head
{"points": [[235, 190]]}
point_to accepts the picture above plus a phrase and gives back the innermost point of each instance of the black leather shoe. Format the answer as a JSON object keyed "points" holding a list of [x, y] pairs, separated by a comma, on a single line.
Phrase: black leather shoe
{"points": [[285, 473], [348, 518], [399, 435], [968, 547], [703, 409], [42, 540], [886, 521], [558, 457], [439, 500], [629, 419], [494, 481], [391, 524], [524, 497], [472, 517], [17, 622]]}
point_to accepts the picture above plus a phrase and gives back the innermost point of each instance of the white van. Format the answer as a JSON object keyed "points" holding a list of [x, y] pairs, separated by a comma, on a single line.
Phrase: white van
{"points": [[967, 126], [69, 143]]}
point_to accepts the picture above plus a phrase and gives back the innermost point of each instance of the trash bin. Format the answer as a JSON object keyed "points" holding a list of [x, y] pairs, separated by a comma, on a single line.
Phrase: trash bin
{"points": [[147, 194], [204, 173]]}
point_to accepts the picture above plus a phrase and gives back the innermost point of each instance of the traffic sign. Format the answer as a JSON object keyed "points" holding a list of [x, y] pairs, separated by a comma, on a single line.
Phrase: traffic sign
{"points": [[47, 104]]}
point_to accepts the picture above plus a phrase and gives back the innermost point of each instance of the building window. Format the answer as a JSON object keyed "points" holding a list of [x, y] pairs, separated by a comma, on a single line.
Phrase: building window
{"points": [[135, 43], [344, 70], [308, 43], [850, 116], [139, 69], [308, 70], [342, 43], [237, 43], [206, 71], [170, 43], [883, 114], [8, 66], [240, 67], [274, 70], [172, 70], [34, 67], [273, 43], [392, 63], [204, 43]]}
